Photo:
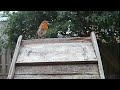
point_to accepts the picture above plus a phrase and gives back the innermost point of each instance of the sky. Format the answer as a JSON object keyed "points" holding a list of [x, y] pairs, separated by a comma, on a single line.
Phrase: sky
{"points": [[1, 12]]}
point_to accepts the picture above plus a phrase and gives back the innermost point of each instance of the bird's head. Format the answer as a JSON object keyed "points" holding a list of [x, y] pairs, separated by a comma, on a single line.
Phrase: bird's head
{"points": [[45, 22], [44, 25]]}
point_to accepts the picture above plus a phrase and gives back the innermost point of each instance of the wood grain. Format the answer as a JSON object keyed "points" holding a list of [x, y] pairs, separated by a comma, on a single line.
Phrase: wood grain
{"points": [[56, 77], [57, 52], [3, 61], [95, 46], [8, 59], [83, 69], [12, 66], [56, 40]]}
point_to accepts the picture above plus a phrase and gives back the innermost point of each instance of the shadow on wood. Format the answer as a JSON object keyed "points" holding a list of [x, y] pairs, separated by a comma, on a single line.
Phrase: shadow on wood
{"points": [[110, 59]]}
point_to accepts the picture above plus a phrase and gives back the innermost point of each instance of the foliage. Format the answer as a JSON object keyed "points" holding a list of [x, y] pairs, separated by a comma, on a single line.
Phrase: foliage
{"points": [[25, 23], [104, 23]]}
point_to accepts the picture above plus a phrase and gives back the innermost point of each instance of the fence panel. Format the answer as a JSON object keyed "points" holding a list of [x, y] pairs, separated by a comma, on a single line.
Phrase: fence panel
{"points": [[5, 60]]}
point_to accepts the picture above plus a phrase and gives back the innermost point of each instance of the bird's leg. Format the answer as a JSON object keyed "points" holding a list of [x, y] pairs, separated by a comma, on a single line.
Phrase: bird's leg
{"points": [[42, 37], [37, 36]]}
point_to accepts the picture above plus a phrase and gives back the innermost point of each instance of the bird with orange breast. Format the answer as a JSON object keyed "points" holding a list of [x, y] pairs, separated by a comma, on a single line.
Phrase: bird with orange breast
{"points": [[43, 29]]}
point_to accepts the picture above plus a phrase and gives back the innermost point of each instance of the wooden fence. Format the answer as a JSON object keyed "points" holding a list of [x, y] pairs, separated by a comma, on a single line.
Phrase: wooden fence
{"points": [[5, 60], [110, 54]]}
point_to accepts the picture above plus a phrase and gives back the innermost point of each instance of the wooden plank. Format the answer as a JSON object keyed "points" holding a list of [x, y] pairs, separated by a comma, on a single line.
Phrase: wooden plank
{"points": [[16, 52], [57, 52], [8, 59], [57, 63], [3, 61], [56, 77], [3, 76], [84, 69], [95, 45], [108, 56], [56, 40]]}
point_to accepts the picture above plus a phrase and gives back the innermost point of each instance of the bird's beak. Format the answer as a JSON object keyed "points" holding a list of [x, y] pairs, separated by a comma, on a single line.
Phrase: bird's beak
{"points": [[49, 23]]}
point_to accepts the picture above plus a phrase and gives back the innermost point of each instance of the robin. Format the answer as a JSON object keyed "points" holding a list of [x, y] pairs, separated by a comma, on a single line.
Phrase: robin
{"points": [[43, 29]]}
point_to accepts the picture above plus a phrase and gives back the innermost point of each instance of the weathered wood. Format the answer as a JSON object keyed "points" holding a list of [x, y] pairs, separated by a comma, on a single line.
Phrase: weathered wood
{"points": [[57, 63], [54, 51], [3, 61], [58, 40], [57, 52], [12, 66], [108, 56], [83, 69], [3, 76], [8, 59], [56, 77], [95, 45]]}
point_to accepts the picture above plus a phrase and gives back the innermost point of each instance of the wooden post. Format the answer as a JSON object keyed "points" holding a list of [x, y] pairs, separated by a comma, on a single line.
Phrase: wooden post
{"points": [[95, 45], [16, 52], [8, 59], [3, 61]]}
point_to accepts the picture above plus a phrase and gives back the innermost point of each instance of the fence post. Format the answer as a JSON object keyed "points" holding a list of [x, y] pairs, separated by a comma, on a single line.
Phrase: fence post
{"points": [[3, 61], [8, 59]]}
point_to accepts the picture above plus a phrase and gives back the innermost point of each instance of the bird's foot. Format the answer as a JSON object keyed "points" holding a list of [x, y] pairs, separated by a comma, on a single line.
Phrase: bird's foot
{"points": [[42, 37]]}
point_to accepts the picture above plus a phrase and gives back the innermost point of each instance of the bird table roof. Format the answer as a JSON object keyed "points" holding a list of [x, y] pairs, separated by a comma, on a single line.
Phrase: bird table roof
{"points": [[56, 50]]}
